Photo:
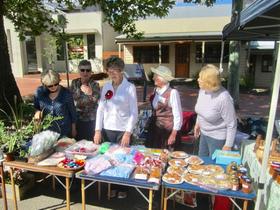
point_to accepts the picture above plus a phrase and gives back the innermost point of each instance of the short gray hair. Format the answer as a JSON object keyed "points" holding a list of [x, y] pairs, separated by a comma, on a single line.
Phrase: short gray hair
{"points": [[114, 62], [50, 78]]}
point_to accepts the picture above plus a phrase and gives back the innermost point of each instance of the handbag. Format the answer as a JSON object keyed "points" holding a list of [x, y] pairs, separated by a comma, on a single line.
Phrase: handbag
{"points": [[150, 121]]}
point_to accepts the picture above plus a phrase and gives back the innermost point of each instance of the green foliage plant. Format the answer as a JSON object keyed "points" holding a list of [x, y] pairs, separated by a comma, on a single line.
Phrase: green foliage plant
{"points": [[16, 129]]}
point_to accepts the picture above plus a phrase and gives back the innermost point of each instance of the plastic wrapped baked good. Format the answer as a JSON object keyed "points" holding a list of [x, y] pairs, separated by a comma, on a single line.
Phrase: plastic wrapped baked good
{"points": [[179, 154], [172, 178], [194, 160], [155, 175], [177, 163], [176, 169]]}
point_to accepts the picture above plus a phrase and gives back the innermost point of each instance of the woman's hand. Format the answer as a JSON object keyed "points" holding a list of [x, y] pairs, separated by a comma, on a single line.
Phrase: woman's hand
{"points": [[172, 138], [86, 89], [226, 148], [125, 139], [97, 137], [37, 115], [196, 131]]}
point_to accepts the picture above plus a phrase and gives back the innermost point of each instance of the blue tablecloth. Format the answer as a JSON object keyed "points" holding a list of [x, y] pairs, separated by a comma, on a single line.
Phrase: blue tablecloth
{"points": [[120, 181], [194, 188]]}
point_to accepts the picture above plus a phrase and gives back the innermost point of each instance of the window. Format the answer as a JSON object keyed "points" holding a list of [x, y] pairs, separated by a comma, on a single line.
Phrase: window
{"points": [[149, 54], [91, 46], [75, 45], [267, 63], [212, 52]]}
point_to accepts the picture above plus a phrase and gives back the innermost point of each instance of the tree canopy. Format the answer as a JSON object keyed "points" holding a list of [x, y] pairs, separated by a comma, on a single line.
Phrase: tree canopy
{"points": [[33, 17]]}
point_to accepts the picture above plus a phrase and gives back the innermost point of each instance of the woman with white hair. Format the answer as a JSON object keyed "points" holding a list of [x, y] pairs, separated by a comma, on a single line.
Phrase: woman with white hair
{"points": [[216, 120], [53, 99], [163, 132]]}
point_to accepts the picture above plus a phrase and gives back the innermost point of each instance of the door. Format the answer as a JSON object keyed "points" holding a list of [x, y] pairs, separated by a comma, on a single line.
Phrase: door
{"points": [[182, 59], [31, 54]]}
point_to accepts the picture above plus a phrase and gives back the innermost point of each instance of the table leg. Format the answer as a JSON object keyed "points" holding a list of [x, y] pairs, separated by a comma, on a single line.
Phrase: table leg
{"points": [[99, 190], [13, 188], [67, 193], [165, 199], [109, 191], [161, 197], [53, 182], [245, 204], [3, 188], [150, 199], [83, 195]]}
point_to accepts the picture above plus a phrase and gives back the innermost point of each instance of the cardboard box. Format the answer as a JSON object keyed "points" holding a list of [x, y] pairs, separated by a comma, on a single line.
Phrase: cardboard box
{"points": [[226, 157]]}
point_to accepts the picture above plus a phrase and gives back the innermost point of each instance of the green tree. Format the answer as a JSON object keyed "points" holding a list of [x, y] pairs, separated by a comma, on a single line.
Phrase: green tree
{"points": [[32, 17]]}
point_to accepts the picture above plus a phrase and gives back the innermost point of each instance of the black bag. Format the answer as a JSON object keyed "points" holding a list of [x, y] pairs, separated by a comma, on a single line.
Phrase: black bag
{"points": [[150, 121]]}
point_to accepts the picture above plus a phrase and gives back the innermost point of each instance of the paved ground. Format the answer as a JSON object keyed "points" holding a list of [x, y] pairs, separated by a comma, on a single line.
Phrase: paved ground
{"points": [[250, 104]]}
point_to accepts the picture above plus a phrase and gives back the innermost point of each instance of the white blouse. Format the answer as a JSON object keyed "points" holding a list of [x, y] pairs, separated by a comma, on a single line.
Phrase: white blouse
{"points": [[120, 112], [174, 103]]}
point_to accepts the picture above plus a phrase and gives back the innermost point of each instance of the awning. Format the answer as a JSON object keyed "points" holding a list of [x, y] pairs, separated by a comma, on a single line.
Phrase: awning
{"points": [[162, 37], [259, 21]]}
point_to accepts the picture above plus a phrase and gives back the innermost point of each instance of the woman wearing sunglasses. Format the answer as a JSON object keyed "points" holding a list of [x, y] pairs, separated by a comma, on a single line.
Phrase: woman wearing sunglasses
{"points": [[54, 99], [86, 93]]}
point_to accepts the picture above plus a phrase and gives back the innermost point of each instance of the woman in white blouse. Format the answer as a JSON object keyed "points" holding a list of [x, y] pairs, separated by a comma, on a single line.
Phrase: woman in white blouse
{"points": [[117, 111], [167, 112]]}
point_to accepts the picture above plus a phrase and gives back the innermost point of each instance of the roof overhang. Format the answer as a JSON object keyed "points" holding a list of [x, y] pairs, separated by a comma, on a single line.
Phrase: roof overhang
{"points": [[259, 21], [171, 37]]}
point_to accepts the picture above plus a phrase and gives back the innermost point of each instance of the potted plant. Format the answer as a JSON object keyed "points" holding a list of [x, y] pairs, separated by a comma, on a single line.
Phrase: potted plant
{"points": [[19, 128], [24, 181]]}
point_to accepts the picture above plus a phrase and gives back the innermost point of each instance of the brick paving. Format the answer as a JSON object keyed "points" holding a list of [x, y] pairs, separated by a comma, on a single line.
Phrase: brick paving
{"points": [[250, 104]]}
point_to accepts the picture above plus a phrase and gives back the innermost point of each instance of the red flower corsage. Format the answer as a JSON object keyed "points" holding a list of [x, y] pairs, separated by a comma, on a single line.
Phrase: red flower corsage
{"points": [[109, 95]]}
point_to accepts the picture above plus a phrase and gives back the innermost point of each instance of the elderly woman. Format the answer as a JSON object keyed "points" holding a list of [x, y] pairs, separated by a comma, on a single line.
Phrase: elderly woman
{"points": [[86, 93], [53, 99], [117, 111], [216, 120], [167, 112]]}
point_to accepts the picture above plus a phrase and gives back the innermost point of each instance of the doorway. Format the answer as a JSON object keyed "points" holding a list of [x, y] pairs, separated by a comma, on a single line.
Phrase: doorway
{"points": [[30, 45], [182, 60]]}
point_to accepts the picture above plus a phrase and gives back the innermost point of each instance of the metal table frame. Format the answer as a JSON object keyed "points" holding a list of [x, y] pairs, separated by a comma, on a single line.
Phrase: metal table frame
{"points": [[119, 181], [52, 170], [193, 188]]}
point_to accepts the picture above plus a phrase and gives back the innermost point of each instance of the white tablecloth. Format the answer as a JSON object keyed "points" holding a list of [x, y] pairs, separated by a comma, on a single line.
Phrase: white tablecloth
{"points": [[272, 189]]}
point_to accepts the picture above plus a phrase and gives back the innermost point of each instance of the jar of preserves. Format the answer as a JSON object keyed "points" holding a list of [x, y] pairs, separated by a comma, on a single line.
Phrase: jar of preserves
{"points": [[234, 184], [277, 170], [229, 167], [247, 185]]}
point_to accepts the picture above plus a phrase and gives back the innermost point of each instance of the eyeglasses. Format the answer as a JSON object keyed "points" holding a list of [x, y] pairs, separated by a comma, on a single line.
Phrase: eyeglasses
{"points": [[85, 70], [54, 85]]}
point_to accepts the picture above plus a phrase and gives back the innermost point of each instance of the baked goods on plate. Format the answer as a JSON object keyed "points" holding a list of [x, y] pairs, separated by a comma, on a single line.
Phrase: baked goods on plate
{"points": [[177, 163], [191, 178], [172, 178], [194, 160], [176, 169], [196, 169], [179, 154], [214, 168]]}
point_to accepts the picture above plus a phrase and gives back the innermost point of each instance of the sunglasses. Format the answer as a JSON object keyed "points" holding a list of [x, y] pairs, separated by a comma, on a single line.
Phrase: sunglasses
{"points": [[54, 85], [85, 70]]}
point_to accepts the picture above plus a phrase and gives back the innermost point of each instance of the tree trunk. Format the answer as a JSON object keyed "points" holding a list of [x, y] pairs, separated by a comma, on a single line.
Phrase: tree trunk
{"points": [[9, 92], [233, 66]]}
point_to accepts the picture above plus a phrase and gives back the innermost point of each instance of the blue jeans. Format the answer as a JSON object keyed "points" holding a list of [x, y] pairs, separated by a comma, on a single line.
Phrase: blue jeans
{"points": [[208, 145]]}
